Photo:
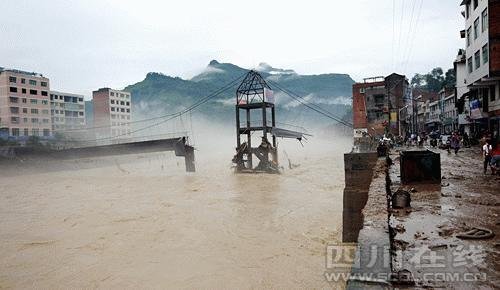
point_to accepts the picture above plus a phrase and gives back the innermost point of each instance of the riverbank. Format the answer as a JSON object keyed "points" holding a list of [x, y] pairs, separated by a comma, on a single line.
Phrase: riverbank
{"points": [[427, 244]]}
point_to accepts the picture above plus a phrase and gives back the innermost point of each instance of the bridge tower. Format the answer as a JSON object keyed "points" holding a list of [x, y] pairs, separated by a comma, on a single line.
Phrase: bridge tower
{"points": [[255, 112]]}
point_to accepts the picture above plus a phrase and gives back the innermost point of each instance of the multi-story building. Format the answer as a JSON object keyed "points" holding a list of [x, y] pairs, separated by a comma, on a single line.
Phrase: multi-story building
{"points": [[24, 104], [449, 112], [377, 103], [67, 110], [433, 118], [461, 93], [482, 52], [112, 112]]}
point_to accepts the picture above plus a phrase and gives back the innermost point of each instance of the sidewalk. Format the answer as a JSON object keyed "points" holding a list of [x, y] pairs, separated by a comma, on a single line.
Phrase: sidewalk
{"points": [[426, 236]]}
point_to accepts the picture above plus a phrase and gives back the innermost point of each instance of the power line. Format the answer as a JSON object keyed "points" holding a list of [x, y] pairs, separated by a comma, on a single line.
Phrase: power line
{"points": [[393, 31], [414, 35], [311, 106], [174, 115], [220, 90], [410, 26], [401, 27]]}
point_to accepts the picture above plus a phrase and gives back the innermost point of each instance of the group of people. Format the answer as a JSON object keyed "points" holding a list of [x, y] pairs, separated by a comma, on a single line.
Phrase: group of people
{"points": [[490, 146]]}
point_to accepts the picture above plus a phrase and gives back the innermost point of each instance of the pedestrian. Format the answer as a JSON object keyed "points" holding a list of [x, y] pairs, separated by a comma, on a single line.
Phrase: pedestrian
{"points": [[487, 154], [455, 142], [495, 157]]}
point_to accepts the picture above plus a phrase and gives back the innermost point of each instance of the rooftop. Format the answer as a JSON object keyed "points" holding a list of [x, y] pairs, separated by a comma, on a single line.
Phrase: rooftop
{"points": [[34, 74]]}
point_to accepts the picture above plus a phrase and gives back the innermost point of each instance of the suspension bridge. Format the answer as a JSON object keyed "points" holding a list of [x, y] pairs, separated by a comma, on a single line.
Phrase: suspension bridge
{"points": [[254, 97]]}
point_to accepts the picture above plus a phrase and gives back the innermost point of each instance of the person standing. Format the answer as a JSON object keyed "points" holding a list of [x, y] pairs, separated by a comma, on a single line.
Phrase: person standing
{"points": [[455, 142], [487, 154]]}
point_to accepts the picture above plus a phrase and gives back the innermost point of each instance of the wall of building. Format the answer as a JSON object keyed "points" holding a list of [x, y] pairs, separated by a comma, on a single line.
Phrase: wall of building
{"points": [[476, 44], [24, 104]]}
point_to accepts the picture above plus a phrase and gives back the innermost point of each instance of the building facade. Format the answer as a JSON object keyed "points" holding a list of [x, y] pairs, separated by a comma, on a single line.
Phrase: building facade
{"points": [[67, 110], [112, 113], [377, 103], [482, 53], [24, 104]]}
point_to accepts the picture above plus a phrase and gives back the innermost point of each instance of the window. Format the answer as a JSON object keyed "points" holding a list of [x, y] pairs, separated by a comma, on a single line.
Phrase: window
{"points": [[45, 112], [122, 103], [12, 79], [24, 100], [476, 28], [113, 102], [26, 131], [128, 110], [25, 110], [492, 93], [14, 120], [477, 59], [35, 132], [23, 91], [34, 111], [13, 89], [122, 110], [80, 99], [112, 109], [46, 132], [45, 102], [484, 23], [111, 94], [23, 81], [34, 101], [33, 92], [14, 110], [485, 53], [44, 93], [469, 64], [33, 82], [34, 120], [43, 84], [475, 3], [15, 131], [13, 100], [80, 113], [45, 121], [128, 103], [122, 95]]}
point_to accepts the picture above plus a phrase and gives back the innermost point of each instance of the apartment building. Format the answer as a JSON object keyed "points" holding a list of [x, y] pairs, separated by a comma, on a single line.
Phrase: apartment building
{"points": [[112, 112], [449, 116], [377, 102], [482, 53], [24, 104], [67, 110]]}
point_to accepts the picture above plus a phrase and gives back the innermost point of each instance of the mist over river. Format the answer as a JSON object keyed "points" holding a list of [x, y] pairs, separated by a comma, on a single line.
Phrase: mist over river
{"points": [[141, 221]]}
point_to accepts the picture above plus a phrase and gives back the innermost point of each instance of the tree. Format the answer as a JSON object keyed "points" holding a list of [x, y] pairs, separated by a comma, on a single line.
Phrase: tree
{"points": [[434, 80], [450, 79], [418, 81]]}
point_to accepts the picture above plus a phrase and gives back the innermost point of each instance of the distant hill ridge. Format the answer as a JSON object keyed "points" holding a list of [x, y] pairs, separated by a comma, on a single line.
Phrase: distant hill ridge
{"points": [[159, 91]]}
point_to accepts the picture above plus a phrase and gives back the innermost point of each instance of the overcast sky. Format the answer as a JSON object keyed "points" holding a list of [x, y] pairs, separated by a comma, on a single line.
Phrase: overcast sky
{"points": [[84, 45]]}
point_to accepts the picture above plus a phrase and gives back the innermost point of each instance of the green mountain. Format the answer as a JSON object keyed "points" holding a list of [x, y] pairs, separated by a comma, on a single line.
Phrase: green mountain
{"points": [[159, 93]]}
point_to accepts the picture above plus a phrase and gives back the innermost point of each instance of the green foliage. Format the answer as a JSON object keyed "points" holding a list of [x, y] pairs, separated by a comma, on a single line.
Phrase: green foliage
{"points": [[170, 93], [434, 80]]}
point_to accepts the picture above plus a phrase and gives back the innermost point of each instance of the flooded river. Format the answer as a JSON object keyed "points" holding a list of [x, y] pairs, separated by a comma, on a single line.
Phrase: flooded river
{"points": [[141, 222]]}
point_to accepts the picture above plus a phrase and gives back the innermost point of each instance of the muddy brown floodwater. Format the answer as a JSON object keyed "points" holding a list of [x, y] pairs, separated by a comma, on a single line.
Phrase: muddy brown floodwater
{"points": [[142, 222]]}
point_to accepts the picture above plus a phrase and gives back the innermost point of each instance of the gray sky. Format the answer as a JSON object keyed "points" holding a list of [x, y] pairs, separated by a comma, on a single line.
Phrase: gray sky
{"points": [[84, 45]]}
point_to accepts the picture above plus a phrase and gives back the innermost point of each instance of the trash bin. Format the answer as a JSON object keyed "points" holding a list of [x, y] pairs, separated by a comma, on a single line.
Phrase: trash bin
{"points": [[420, 167]]}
